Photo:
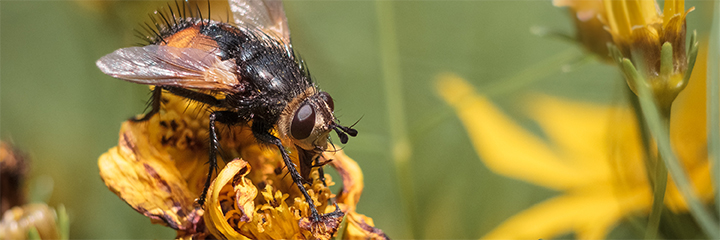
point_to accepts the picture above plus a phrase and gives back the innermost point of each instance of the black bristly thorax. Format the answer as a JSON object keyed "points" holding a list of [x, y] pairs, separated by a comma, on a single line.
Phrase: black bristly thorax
{"points": [[273, 74]]}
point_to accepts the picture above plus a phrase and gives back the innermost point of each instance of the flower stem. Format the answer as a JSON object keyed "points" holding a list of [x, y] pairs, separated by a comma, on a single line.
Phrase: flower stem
{"points": [[659, 186], [662, 138], [400, 143], [713, 103]]}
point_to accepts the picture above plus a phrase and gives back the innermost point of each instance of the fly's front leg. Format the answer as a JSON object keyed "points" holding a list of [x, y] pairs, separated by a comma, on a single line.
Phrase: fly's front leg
{"points": [[262, 133], [225, 117]]}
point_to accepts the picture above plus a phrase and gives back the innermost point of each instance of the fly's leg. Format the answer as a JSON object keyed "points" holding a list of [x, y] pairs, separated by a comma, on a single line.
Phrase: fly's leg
{"points": [[154, 105], [262, 133], [156, 99], [225, 117]]}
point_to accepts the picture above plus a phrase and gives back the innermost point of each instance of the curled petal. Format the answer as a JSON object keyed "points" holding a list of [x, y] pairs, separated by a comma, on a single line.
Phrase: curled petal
{"points": [[352, 178], [230, 201]]}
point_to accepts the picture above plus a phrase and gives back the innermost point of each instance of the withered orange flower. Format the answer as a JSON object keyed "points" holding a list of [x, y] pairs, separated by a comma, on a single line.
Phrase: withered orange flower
{"points": [[159, 169]]}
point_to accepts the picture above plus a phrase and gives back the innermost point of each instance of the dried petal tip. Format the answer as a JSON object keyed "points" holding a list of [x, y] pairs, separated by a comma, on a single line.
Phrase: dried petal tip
{"points": [[325, 227]]}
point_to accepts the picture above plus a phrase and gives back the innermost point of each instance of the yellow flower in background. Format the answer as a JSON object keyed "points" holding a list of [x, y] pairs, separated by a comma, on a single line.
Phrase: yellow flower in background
{"points": [[589, 30], [21, 220], [17, 222], [159, 169], [639, 31], [592, 155]]}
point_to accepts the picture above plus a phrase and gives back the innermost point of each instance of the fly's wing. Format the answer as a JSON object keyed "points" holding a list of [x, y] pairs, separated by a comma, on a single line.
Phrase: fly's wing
{"points": [[171, 66], [267, 15]]}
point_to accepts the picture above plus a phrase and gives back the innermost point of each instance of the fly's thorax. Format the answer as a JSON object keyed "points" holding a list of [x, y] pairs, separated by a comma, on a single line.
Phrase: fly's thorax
{"points": [[270, 66], [308, 119]]}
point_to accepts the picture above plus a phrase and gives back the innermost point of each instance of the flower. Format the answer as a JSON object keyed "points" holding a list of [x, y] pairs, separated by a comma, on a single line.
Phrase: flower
{"points": [[21, 220], [590, 31], [158, 168], [640, 33], [592, 155], [38, 217]]}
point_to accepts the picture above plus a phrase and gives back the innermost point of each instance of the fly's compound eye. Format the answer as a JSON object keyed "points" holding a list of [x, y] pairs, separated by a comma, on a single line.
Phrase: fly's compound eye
{"points": [[303, 122], [326, 97]]}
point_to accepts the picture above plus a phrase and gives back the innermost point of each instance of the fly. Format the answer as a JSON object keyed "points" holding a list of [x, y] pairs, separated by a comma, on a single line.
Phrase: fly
{"points": [[252, 64]]}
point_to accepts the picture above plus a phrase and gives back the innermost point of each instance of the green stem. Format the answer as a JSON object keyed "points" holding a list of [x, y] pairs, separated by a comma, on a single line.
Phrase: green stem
{"points": [[713, 104], [661, 135], [659, 185], [400, 143]]}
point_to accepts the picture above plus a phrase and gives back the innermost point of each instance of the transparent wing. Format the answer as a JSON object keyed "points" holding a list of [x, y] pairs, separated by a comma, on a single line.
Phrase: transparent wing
{"points": [[267, 15], [171, 66]]}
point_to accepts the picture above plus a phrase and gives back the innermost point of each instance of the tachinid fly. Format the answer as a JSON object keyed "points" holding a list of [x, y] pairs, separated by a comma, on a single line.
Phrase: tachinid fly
{"points": [[252, 63]]}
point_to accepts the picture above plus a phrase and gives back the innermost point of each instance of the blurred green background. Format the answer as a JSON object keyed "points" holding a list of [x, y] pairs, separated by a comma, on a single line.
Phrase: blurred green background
{"points": [[57, 106]]}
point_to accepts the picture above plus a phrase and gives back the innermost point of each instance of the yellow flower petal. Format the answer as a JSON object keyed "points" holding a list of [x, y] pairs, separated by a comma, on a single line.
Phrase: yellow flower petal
{"points": [[590, 215], [497, 139], [585, 9], [672, 8]]}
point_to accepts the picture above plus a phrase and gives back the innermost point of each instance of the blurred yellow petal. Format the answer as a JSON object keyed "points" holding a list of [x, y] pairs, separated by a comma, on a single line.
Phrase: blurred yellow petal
{"points": [[601, 143], [585, 150], [497, 139], [585, 9], [590, 215]]}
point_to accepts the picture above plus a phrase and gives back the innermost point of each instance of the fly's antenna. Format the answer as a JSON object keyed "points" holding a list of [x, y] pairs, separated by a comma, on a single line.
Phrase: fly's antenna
{"points": [[343, 132]]}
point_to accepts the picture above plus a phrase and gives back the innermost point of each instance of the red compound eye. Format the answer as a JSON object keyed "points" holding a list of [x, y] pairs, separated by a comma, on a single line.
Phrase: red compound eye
{"points": [[303, 122], [326, 97]]}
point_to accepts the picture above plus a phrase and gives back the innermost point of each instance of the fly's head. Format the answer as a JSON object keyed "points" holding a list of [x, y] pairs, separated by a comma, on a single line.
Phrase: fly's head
{"points": [[308, 121]]}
